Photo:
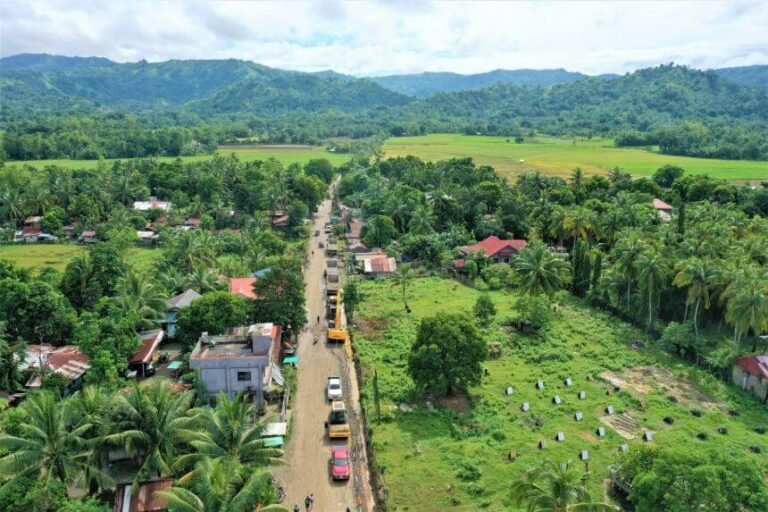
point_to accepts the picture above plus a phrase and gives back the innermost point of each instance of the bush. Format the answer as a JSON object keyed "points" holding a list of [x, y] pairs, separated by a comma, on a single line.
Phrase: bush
{"points": [[468, 471]]}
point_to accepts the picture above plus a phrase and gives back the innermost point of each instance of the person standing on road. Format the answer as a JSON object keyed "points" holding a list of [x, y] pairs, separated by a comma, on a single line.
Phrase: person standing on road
{"points": [[296, 508], [307, 502], [311, 501]]}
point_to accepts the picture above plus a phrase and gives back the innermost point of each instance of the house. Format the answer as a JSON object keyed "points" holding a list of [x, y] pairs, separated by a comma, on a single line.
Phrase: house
{"points": [[87, 237], [494, 248], [175, 304], [355, 231], [69, 230], [750, 373], [379, 266], [240, 360], [33, 223], [67, 362], [243, 286], [280, 223], [144, 499], [141, 361], [146, 236], [193, 222], [152, 204], [358, 247], [663, 209]]}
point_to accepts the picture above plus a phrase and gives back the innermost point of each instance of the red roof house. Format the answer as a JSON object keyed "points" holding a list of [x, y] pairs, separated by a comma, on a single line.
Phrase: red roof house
{"points": [[751, 373], [67, 362], [243, 286], [663, 209], [496, 249], [355, 230], [144, 499], [150, 340]]}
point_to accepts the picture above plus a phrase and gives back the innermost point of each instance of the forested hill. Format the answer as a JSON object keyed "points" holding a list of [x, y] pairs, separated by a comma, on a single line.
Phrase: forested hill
{"points": [[746, 75], [423, 85], [46, 83]]}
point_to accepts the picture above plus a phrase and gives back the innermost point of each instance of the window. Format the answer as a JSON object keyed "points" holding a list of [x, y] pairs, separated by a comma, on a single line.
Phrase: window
{"points": [[243, 376]]}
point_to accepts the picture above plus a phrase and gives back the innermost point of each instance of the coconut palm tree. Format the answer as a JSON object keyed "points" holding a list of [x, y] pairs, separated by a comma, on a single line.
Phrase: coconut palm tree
{"points": [[628, 249], [540, 271], [141, 298], [12, 205], [223, 486], [201, 279], [747, 305], [651, 276], [149, 421], [578, 223], [402, 277], [52, 445], [227, 431], [422, 221], [554, 487], [700, 278]]}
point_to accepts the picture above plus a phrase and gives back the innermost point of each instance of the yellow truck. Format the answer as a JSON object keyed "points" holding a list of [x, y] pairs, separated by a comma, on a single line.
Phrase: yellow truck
{"points": [[337, 424]]}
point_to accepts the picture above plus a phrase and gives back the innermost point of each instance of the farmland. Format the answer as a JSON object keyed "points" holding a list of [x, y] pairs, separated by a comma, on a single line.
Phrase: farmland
{"points": [[457, 454], [37, 256], [558, 157], [286, 154]]}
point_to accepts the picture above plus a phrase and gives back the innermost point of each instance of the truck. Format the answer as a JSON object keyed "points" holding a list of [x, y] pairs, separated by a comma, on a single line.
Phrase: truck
{"points": [[337, 424], [333, 389]]}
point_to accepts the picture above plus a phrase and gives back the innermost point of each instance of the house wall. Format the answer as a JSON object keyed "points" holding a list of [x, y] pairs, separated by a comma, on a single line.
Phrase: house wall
{"points": [[748, 382], [220, 375]]}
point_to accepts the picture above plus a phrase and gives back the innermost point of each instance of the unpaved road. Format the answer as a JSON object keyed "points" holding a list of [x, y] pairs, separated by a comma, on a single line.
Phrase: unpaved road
{"points": [[309, 448]]}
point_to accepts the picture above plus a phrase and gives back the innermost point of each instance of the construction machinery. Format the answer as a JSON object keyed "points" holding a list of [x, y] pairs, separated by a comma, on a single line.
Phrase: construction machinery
{"points": [[339, 331]]}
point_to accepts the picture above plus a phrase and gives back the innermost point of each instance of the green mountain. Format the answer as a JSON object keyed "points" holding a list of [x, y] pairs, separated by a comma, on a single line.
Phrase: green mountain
{"points": [[745, 75], [424, 85]]}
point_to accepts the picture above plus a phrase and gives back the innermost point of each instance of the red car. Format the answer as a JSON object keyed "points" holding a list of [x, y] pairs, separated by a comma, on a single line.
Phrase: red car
{"points": [[339, 463]]}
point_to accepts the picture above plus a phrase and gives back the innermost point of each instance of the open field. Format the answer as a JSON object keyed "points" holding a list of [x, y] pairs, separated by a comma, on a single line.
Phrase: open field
{"points": [[37, 256], [286, 154], [559, 157], [431, 458]]}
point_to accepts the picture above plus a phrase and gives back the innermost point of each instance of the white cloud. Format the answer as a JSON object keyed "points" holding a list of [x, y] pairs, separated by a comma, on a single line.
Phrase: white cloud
{"points": [[374, 38]]}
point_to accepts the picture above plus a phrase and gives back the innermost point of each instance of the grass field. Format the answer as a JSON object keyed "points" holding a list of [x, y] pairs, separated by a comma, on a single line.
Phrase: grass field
{"points": [[37, 256], [559, 157], [442, 459], [285, 154]]}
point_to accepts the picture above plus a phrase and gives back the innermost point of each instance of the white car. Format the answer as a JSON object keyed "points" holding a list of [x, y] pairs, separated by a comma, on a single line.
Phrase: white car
{"points": [[333, 390]]}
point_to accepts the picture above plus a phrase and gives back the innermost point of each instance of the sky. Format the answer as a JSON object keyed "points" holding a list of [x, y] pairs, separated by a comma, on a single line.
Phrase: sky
{"points": [[399, 36]]}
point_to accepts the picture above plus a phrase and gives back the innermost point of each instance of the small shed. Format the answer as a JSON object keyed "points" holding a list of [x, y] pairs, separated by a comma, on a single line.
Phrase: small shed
{"points": [[143, 499]]}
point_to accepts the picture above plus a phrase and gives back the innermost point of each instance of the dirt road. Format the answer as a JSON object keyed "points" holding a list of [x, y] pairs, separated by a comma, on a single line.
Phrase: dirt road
{"points": [[309, 448]]}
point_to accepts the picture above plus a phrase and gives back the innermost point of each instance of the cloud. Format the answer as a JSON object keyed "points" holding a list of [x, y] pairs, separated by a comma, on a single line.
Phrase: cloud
{"points": [[375, 38]]}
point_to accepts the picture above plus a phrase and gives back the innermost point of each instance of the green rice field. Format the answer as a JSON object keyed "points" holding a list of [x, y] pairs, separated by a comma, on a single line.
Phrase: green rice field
{"points": [[558, 156], [37, 256], [287, 154]]}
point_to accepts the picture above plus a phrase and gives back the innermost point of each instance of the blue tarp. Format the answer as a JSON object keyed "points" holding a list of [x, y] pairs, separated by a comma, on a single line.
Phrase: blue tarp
{"points": [[273, 442], [291, 359]]}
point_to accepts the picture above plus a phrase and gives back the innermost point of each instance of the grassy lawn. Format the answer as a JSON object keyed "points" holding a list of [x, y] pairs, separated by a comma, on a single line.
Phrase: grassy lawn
{"points": [[285, 154], [36, 256], [427, 455], [558, 156]]}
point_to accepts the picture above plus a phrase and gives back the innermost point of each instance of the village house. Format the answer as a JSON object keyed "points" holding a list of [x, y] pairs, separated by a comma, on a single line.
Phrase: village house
{"points": [[243, 286], [494, 248], [140, 364], [193, 222], [241, 360], [662, 209], [354, 231], [144, 498], [146, 236], [750, 373], [152, 204], [66, 362], [31, 232], [379, 266], [175, 304], [87, 237]]}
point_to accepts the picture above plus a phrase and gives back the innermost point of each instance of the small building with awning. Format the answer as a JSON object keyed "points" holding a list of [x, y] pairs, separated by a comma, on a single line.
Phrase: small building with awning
{"points": [[141, 362]]}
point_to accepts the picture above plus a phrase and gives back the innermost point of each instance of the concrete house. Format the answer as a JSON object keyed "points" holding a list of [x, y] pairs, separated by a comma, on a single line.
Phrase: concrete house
{"points": [[750, 373], [153, 204], [241, 360]]}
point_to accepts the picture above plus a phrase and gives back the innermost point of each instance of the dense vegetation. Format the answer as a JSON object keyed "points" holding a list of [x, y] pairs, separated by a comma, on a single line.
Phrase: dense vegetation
{"points": [[57, 108]]}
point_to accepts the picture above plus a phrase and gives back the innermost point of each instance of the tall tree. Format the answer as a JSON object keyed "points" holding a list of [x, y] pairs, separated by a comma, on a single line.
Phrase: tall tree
{"points": [[652, 277], [553, 487], [402, 277], [540, 271], [700, 278], [141, 298]]}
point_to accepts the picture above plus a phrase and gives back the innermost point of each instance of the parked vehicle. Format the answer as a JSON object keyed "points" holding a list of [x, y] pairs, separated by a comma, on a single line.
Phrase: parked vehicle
{"points": [[337, 424], [333, 389], [317, 232], [339, 463]]}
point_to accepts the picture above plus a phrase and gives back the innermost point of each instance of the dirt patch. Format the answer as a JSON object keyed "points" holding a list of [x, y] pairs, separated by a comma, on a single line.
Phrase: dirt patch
{"points": [[458, 403], [587, 437], [624, 424], [372, 328], [643, 380]]}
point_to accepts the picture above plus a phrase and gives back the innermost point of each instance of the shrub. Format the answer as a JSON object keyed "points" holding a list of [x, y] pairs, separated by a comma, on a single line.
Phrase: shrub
{"points": [[468, 471]]}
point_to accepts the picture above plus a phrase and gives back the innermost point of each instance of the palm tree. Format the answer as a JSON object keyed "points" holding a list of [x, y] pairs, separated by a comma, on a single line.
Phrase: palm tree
{"points": [[628, 250], [578, 223], [142, 298], [540, 271], [747, 305], [226, 432], [201, 279], [52, 445], [149, 422], [221, 486], [12, 206], [554, 487], [173, 280], [422, 221], [651, 276], [403, 277], [700, 278]]}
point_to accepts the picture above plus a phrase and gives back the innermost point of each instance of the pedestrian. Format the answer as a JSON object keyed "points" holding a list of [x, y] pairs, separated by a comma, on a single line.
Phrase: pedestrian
{"points": [[318, 319], [307, 502], [295, 508], [311, 501]]}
